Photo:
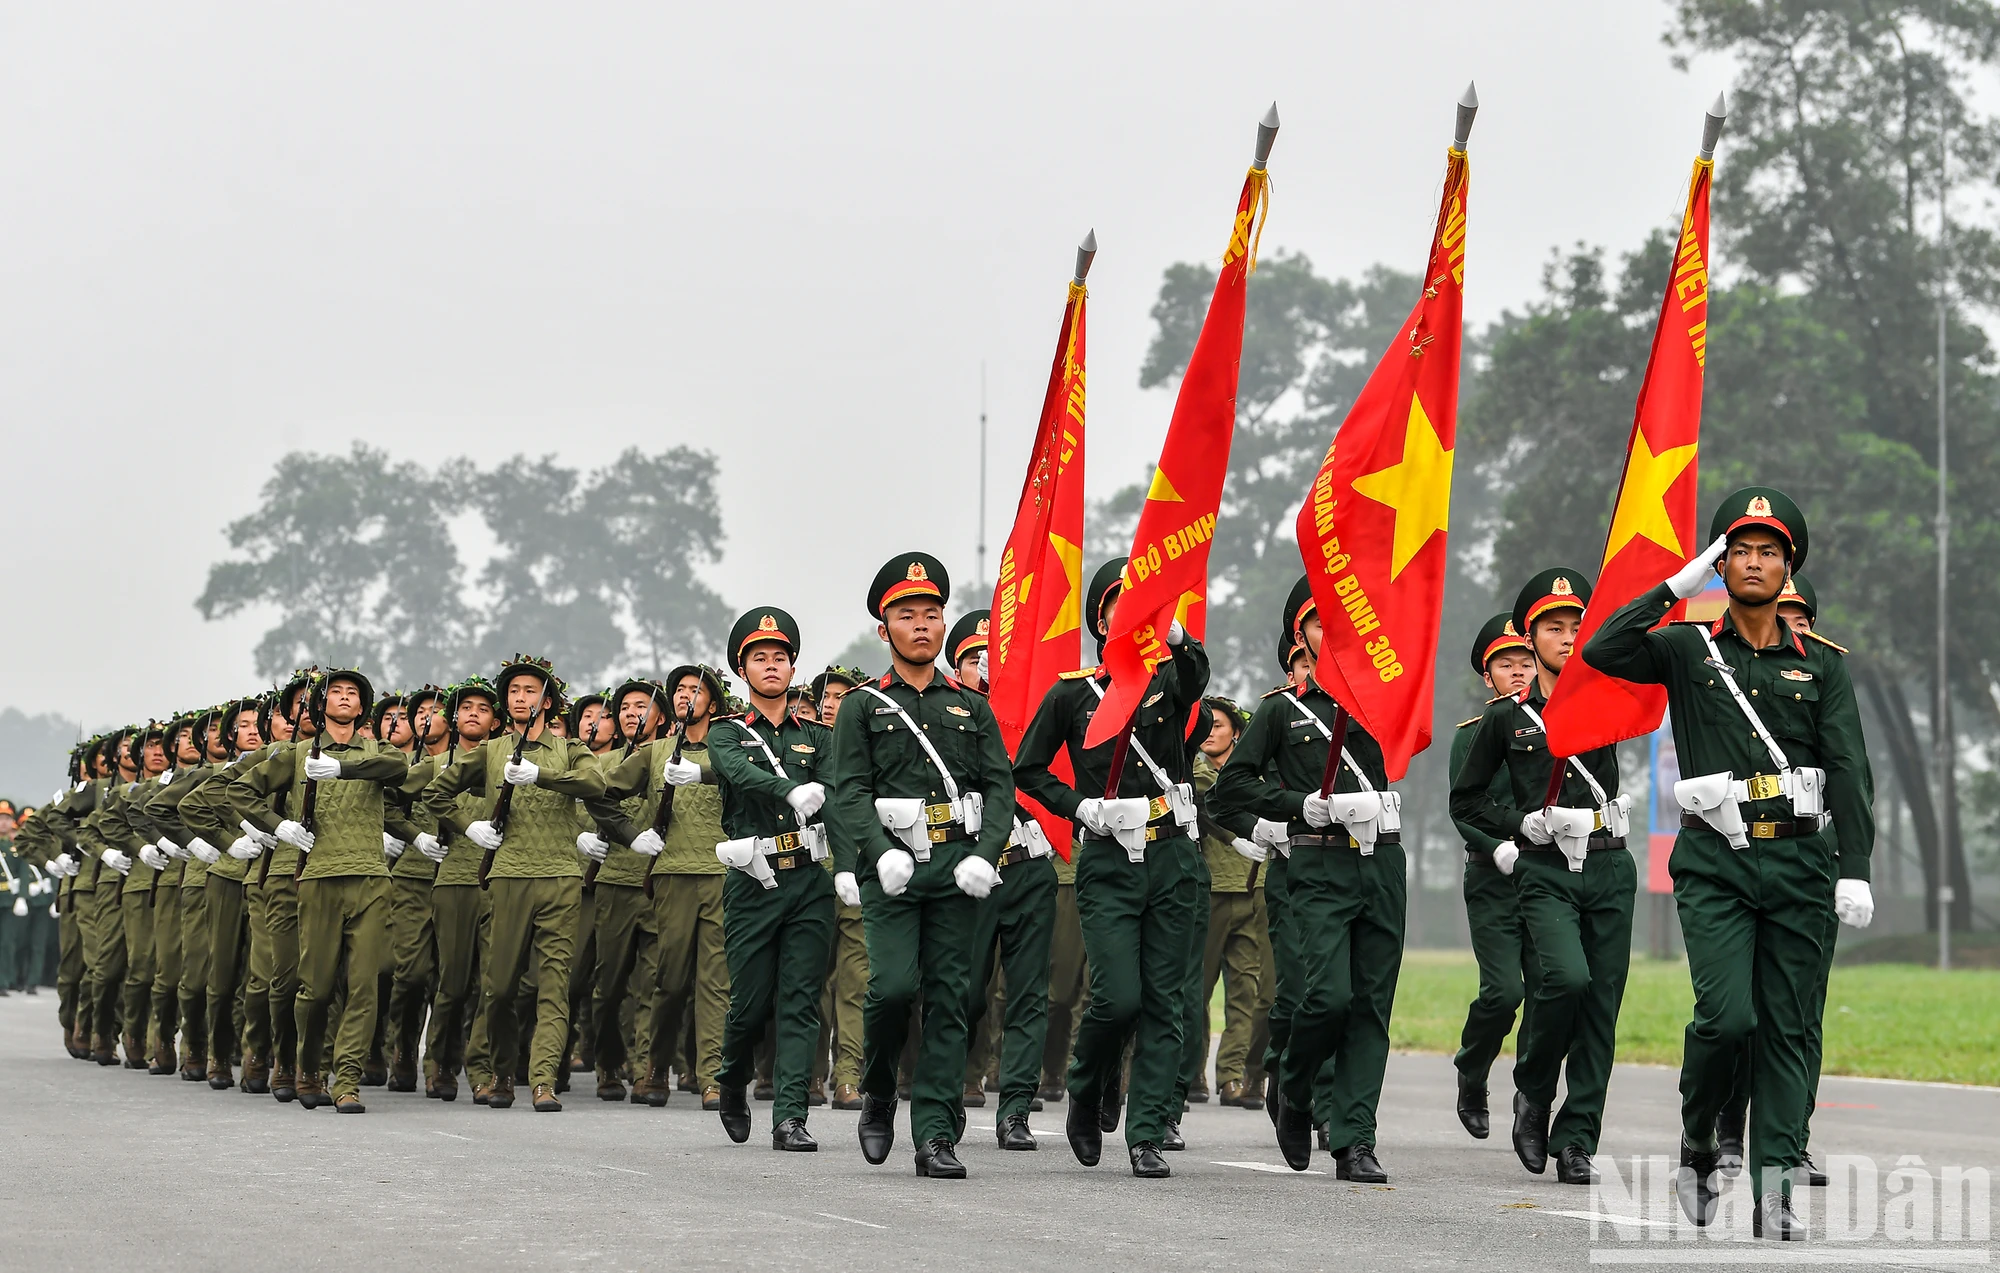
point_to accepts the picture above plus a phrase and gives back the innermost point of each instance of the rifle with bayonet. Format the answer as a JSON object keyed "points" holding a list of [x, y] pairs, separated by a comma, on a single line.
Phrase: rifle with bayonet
{"points": [[645, 723], [503, 805], [309, 799], [664, 814]]}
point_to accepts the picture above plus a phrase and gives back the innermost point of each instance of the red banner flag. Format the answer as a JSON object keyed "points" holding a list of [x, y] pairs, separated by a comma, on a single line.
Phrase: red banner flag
{"points": [[1653, 526], [1373, 528], [1167, 576], [1037, 628]]}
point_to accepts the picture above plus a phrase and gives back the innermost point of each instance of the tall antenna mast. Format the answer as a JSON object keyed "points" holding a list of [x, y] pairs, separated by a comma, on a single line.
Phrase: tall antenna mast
{"points": [[982, 473]]}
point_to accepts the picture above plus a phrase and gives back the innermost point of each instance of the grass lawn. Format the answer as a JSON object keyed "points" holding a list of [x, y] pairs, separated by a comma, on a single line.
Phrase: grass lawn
{"points": [[1882, 1021]]}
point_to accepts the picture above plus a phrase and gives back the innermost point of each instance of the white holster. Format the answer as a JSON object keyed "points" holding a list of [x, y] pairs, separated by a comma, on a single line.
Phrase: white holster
{"points": [[1127, 818], [1028, 834], [904, 819], [1807, 788], [1717, 800], [970, 811], [742, 855], [1571, 829], [1360, 814]]}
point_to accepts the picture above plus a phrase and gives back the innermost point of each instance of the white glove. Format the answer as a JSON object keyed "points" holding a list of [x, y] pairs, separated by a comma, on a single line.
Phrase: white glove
{"points": [[150, 854], [392, 848], [521, 773], [1693, 577], [847, 888], [431, 847], [806, 799], [975, 876], [204, 851], [322, 768], [983, 678], [1250, 849], [680, 773], [171, 849], [264, 839], [648, 843], [116, 861], [1853, 902], [894, 869], [1504, 855], [1318, 811], [20, 907], [1535, 827], [245, 849], [1090, 812], [482, 834], [1271, 834], [56, 866], [1176, 633], [593, 846], [296, 835]]}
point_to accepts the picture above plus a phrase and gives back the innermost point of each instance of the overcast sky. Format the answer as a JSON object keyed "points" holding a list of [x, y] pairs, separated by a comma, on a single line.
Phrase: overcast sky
{"points": [[787, 233]]}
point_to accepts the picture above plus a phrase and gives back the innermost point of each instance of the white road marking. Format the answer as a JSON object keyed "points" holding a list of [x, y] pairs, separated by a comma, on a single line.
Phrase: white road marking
{"points": [[869, 1224], [453, 1135], [605, 1166], [1275, 1168]]}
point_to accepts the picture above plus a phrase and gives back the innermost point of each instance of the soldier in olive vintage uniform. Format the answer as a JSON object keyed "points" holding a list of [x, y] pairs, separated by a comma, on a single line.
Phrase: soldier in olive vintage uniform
{"points": [[1140, 876], [1574, 881], [460, 914], [420, 729], [922, 810], [535, 876], [272, 899], [218, 839], [1500, 943], [587, 720], [1769, 743], [1345, 898], [774, 770], [132, 846], [847, 981], [70, 864], [180, 919], [1237, 950]]}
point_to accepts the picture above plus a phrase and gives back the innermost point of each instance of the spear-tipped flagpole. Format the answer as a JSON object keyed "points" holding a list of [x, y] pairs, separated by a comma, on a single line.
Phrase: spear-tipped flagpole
{"points": [[1086, 251], [1267, 135], [1468, 107], [1711, 127]]}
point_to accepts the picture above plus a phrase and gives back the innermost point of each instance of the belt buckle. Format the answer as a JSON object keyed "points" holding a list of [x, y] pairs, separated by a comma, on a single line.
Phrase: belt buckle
{"points": [[1156, 807], [1765, 786], [938, 835], [1763, 830], [937, 814], [786, 841], [784, 861]]}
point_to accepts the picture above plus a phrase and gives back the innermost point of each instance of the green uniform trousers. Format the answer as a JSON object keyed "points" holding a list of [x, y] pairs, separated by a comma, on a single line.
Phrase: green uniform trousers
{"points": [[455, 910], [1194, 1008], [1755, 924], [281, 922], [1069, 988], [228, 959], [846, 987], [1284, 960], [778, 942], [343, 947], [1138, 920], [259, 1042], [532, 932], [917, 945], [1582, 926], [136, 1010], [1235, 954], [191, 988], [13, 939], [167, 953], [691, 971], [582, 978], [413, 975], [1739, 1099], [1015, 925], [626, 940], [1346, 922], [104, 955], [1508, 972], [70, 1000]]}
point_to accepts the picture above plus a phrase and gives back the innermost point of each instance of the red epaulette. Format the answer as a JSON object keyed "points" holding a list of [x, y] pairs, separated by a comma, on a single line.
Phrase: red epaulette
{"points": [[952, 681], [883, 684]]}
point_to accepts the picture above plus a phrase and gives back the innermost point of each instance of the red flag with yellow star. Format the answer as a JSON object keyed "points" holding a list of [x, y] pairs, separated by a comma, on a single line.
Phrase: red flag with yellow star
{"points": [[1037, 628], [1653, 530], [1373, 527], [1166, 578]]}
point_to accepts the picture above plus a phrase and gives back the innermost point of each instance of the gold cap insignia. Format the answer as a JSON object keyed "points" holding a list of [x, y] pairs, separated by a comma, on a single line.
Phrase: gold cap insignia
{"points": [[917, 572], [1561, 587], [1759, 507], [1789, 590], [767, 624], [1509, 629], [981, 628]]}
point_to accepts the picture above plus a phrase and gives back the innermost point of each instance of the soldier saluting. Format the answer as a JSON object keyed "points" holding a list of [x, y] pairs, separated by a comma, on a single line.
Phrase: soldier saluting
{"points": [[1769, 737]]}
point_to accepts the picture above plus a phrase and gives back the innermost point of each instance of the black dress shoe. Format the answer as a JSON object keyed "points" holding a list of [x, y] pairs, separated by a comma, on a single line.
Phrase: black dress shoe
{"points": [[1531, 1134], [1810, 1171], [1357, 1163], [1086, 1138], [1147, 1164], [1473, 1111], [1273, 1097], [1051, 1093], [1034, 1105], [1014, 1133], [1698, 1184], [1173, 1140], [1573, 1166], [1773, 1219], [936, 1160], [735, 1112], [792, 1137], [957, 1124], [1107, 1111], [1729, 1142], [1324, 1135], [877, 1127], [1295, 1137]]}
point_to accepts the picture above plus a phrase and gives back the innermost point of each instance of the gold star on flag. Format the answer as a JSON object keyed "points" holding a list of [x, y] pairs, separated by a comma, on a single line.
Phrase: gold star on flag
{"points": [[1418, 487], [1069, 618], [1642, 500]]}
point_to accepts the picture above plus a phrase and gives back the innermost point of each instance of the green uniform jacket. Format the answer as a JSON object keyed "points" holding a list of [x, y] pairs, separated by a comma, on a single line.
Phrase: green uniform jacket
{"points": [[122, 829], [1507, 741], [1228, 870], [875, 756], [348, 817], [544, 820], [159, 814], [631, 801], [1282, 760], [208, 812], [1461, 743], [1160, 724], [753, 795], [62, 822], [1799, 687], [406, 820]]}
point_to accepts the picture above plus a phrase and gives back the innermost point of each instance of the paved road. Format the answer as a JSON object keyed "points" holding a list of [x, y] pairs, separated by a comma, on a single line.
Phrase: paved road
{"points": [[142, 1172]]}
